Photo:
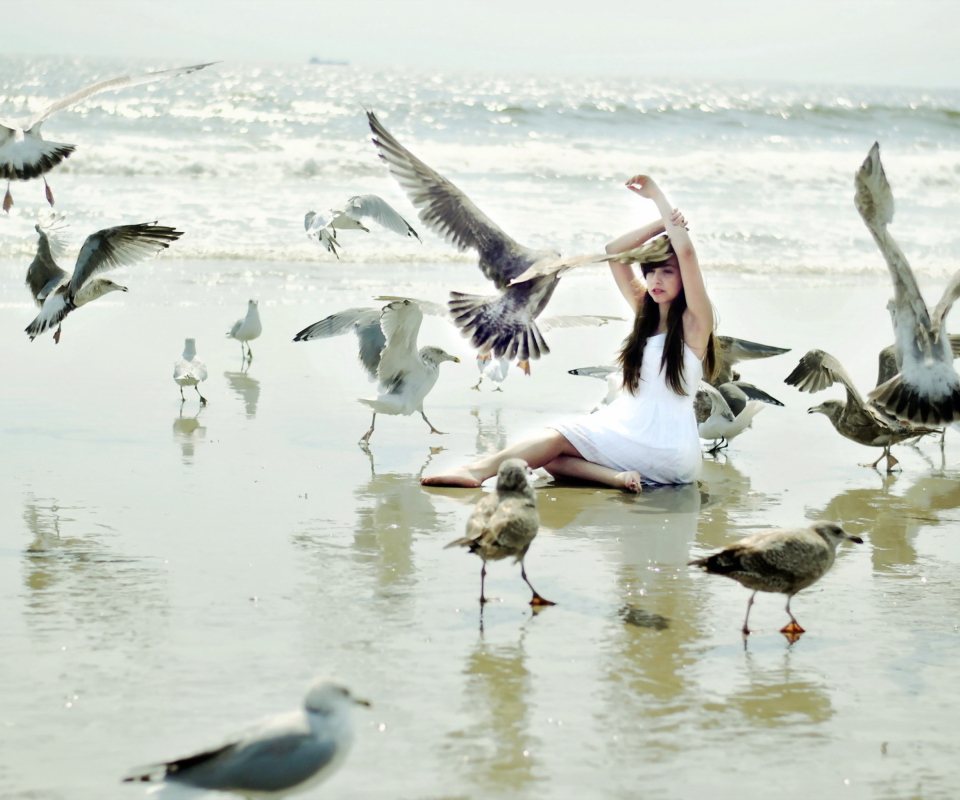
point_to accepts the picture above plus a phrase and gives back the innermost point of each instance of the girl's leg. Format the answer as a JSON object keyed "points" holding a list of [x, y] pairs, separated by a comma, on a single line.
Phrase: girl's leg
{"points": [[573, 467], [536, 451]]}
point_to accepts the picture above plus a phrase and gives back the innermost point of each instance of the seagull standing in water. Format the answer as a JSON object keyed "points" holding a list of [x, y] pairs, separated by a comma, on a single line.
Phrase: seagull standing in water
{"points": [[504, 524], [24, 154], [725, 411], [283, 754], [247, 329], [350, 216], [785, 561], [104, 250], [389, 354], [926, 389], [505, 323], [190, 370]]}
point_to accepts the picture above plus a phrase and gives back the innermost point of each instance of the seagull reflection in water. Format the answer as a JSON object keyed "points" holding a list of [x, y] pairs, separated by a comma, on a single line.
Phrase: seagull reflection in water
{"points": [[187, 431], [247, 389]]}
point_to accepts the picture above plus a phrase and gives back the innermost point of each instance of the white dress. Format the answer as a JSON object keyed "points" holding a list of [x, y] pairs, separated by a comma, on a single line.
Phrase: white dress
{"points": [[653, 431]]}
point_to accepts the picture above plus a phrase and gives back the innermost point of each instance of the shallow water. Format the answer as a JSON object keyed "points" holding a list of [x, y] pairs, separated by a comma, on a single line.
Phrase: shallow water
{"points": [[169, 574]]}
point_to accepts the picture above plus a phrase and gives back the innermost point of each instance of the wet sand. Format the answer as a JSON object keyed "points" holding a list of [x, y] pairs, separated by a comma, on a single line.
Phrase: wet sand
{"points": [[170, 574]]}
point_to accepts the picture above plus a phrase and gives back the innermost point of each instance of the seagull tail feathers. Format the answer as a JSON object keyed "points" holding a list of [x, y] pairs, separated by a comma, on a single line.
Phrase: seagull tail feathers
{"points": [[52, 314], [904, 401], [44, 157], [466, 541], [482, 320], [722, 563]]}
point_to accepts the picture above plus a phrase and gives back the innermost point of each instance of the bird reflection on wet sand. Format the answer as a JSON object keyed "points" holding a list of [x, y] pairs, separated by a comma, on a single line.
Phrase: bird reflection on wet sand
{"points": [[187, 432], [247, 388]]}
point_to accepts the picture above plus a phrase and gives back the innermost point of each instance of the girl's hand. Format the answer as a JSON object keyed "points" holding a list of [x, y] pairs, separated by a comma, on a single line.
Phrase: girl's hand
{"points": [[677, 219], [643, 185]]}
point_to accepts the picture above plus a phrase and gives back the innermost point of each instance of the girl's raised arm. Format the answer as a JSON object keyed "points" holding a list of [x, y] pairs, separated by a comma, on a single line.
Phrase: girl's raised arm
{"points": [[624, 275], [698, 318]]}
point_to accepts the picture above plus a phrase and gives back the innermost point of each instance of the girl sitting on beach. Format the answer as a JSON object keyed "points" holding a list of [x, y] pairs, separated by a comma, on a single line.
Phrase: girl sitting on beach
{"points": [[649, 434]]}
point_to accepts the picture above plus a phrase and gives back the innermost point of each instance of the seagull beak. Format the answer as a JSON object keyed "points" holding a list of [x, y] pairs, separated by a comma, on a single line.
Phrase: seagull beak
{"points": [[361, 702], [814, 410], [856, 539], [457, 360]]}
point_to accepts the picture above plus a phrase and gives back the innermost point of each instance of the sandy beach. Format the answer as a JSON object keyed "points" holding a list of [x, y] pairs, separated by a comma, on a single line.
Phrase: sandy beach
{"points": [[170, 573]]}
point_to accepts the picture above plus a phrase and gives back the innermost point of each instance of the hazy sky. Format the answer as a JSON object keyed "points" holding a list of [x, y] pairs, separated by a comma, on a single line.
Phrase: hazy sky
{"points": [[897, 42]]}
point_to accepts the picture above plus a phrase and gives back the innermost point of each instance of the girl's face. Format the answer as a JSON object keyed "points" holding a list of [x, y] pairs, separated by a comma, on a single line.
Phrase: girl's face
{"points": [[664, 282]]}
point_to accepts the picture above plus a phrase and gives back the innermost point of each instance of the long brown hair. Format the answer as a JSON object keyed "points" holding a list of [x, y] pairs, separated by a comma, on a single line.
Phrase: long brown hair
{"points": [[645, 325]]}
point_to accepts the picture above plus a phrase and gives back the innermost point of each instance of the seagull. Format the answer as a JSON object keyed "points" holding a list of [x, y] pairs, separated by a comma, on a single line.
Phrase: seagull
{"points": [[493, 369], [784, 560], [504, 523], [24, 154], [732, 351], [282, 754], [505, 323], [545, 324], [926, 389], [190, 370], [104, 250], [388, 352], [725, 411], [247, 329], [350, 216], [613, 377], [862, 422]]}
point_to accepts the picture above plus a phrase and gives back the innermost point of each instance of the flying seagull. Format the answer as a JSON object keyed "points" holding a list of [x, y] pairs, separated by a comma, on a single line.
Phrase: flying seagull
{"points": [[505, 323], [504, 523], [785, 561], [24, 154], [104, 250], [282, 754], [350, 216], [388, 352], [863, 422], [247, 329], [725, 411], [926, 390]]}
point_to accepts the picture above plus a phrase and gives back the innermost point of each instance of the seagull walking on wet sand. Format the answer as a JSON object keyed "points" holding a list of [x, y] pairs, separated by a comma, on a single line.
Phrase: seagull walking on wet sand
{"points": [[926, 390], [350, 216], [104, 250], [247, 329], [863, 422], [786, 561], [24, 154], [190, 370], [505, 323], [389, 354], [724, 412], [504, 523], [282, 754]]}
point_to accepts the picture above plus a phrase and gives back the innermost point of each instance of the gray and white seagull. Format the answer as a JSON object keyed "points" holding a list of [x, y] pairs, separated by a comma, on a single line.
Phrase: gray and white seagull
{"points": [[504, 323], [58, 294], [283, 754], [926, 390], [324, 225], [389, 354], [25, 154]]}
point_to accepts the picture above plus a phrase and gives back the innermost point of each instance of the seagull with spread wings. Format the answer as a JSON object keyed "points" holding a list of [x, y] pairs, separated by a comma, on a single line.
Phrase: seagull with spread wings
{"points": [[926, 389], [25, 154], [725, 411], [504, 323], [58, 294], [324, 226], [860, 421], [389, 354]]}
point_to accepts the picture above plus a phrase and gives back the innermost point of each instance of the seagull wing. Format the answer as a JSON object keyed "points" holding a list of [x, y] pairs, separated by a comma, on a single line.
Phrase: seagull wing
{"points": [[118, 247], [819, 370], [43, 274], [708, 402], [365, 322], [400, 322], [103, 86], [449, 213], [950, 295], [594, 372], [377, 209], [575, 321], [557, 265]]}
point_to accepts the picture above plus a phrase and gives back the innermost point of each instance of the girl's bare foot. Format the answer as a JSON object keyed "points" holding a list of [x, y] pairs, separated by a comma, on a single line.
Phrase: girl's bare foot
{"points": [[630, 481], [455, 477]]}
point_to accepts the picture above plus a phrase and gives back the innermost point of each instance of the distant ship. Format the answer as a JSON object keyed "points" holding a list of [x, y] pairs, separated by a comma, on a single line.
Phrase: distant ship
{"points": [[328, 62]]}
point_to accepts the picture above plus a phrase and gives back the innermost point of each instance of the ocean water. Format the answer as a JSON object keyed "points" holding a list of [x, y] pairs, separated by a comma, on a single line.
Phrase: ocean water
{"points": [[237, 153]]}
